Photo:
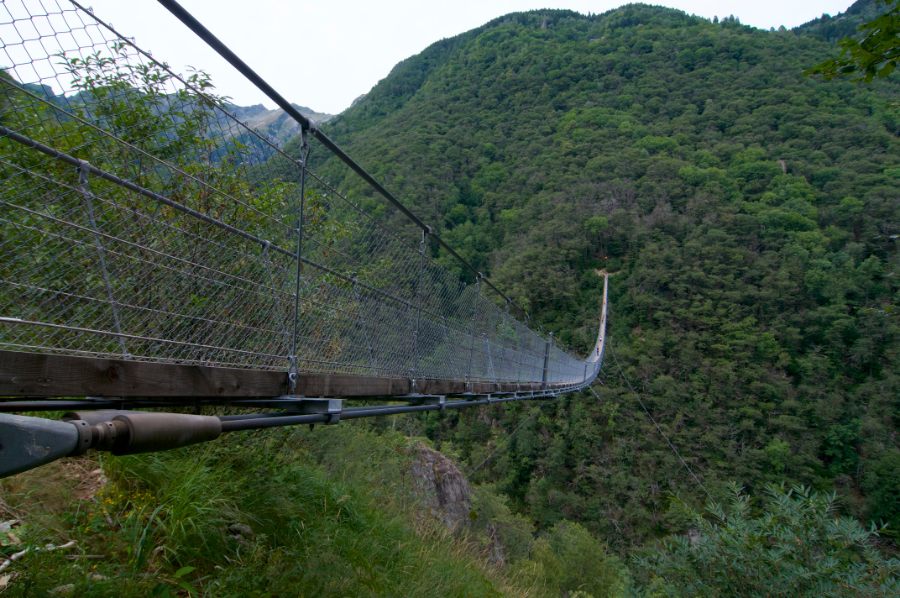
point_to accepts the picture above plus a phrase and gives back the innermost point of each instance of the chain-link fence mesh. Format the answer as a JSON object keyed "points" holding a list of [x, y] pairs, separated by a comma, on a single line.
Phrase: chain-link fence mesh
{"points": [[142, 220]]}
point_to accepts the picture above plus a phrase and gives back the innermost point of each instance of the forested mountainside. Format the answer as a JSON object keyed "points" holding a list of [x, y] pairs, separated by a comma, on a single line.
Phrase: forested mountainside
{"points": [[749, 213], [749, 217]]}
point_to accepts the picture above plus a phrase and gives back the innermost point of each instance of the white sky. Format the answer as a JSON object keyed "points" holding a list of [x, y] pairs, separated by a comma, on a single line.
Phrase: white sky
{"points": [[325, 54]]}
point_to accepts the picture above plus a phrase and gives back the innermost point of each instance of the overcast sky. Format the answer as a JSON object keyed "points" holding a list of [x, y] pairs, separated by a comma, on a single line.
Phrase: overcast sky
{"points": [[323, 54]]}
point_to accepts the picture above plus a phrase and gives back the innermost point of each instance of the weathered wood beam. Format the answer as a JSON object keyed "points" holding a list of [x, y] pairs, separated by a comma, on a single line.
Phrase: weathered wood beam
{"points": [[49, 375]]}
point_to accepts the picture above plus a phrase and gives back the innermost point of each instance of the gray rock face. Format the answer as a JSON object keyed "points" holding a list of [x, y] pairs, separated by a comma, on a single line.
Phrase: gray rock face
{"points": [[276, 124], [240, 531], [442, 487], [446, 495]]}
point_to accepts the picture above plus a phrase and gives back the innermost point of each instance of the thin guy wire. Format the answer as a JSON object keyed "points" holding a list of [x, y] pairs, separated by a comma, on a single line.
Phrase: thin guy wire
{"points": [[657, 426], [84, 186], [508, 436]]}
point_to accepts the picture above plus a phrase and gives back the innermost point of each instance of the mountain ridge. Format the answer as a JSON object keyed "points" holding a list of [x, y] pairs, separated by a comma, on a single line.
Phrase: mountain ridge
{"points": [[275, 123]]}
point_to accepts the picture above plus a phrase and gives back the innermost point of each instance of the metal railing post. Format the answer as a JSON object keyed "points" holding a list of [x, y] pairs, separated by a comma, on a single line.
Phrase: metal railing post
{"points": [[472, 331], [546, 361], [418, 299], [293, 373], [84, 187]]}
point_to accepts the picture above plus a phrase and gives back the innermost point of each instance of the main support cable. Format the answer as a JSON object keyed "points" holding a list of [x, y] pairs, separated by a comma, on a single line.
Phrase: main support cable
{"points": [[307, 125]]}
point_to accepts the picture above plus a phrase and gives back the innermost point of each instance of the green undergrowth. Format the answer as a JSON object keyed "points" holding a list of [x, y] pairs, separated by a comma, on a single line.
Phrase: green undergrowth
{"points": [[281, 513], [259, 514], [335, 513]]}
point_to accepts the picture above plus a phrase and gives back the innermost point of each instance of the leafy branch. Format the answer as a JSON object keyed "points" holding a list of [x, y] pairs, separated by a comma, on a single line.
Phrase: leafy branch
{"points": [[875, 55]]}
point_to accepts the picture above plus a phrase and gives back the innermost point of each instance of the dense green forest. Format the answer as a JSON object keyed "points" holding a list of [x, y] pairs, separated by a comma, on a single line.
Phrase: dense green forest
{"points": [[742, 439], [749, 213]]}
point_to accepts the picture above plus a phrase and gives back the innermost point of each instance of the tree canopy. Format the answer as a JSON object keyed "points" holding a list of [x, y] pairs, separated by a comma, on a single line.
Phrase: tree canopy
{"points": [[749, 214]]}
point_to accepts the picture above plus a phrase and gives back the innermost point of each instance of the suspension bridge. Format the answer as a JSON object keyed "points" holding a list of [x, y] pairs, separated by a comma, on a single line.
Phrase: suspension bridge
{"points": [[158, 252]]}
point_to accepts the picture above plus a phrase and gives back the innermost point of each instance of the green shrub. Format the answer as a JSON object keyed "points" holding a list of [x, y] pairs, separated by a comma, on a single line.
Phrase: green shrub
{"points": [[797, 546], [567, 560]]}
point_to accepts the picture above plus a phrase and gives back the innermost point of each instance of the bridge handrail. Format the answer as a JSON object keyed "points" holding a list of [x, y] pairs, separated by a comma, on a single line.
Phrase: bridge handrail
{"points": [[452, 334]]}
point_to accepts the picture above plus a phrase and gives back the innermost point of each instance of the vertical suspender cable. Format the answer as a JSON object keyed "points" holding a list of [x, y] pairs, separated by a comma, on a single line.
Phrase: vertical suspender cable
{"points": [[84, 188], [293, 373]]}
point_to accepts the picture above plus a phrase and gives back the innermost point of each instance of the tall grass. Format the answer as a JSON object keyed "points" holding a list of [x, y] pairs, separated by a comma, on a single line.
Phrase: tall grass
{"points": [[329, 513], [285, 513]]}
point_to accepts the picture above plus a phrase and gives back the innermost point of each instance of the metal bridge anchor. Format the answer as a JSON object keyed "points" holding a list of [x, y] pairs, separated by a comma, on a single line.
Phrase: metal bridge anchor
{"points": [[31, 441], [439, 400], [304, 406]]}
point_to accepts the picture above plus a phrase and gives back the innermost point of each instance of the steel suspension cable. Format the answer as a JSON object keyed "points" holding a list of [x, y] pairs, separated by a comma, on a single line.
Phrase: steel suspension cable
{"points": [[657, 426], [307, 125]]}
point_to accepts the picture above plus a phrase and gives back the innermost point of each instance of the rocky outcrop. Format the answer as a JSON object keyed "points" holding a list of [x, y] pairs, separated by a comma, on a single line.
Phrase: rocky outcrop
{"points": [[445, 494], [442, 487]]}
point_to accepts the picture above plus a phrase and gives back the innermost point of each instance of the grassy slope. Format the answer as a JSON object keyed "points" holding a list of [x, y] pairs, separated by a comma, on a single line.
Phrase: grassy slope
{"points": [[330, 516], [280, 513]]}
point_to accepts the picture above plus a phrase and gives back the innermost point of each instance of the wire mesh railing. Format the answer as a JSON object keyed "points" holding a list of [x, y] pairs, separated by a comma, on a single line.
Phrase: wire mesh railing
{"points": [[142, 220]]}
